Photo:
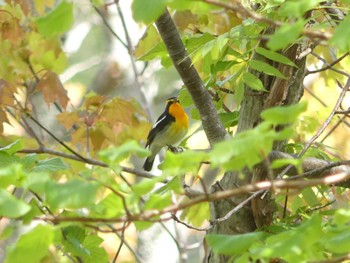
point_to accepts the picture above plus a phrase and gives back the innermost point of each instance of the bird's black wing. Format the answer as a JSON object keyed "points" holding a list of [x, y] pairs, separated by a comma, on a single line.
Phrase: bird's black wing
{"points": [[162, 122]]}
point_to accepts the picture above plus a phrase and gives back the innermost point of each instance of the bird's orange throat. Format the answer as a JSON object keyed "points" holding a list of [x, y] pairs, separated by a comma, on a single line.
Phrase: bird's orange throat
{"points": [[180, 115]]}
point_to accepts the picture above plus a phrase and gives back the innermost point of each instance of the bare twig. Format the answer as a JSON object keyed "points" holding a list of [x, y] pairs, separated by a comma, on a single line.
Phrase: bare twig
{"points": [[315, 208], [328, 120], [108, 25], [137, 258], [114, 230], [319, 171], [56, 138], [323, 127], [328, 65], [315, 96], [237, 208], [343, 111], [130, 48], [127, 212], [178, 246], [176, 219], [121, 244], [340, 120]]}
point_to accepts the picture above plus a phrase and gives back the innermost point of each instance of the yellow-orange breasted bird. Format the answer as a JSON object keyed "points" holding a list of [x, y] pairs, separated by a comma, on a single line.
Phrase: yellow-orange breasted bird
{"points": [[169, 129]]}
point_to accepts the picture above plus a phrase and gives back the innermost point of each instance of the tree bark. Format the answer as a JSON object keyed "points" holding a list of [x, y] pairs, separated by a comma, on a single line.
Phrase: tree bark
{"points": [[212, 125], [281, 92]]}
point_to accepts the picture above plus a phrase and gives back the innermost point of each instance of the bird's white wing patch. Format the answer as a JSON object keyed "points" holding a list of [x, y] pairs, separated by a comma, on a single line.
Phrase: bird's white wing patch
{"points": [[159, 121]]}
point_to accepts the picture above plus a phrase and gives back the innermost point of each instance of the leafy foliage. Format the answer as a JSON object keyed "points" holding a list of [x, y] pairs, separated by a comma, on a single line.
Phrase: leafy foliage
{"points": [[63, 176]]}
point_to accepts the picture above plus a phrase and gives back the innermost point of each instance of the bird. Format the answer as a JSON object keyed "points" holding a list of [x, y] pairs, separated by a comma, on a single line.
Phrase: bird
{"points": [[169, 129]]}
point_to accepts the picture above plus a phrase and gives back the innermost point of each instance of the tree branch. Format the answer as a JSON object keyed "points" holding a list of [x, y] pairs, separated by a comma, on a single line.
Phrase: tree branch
{"points": [[152, 215], [212, 126], [44, 150], [328, 65], [238, 7]]}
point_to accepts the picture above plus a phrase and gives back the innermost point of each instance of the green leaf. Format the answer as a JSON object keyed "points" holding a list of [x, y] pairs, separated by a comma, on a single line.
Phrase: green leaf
{"points": [[37, 181], [272, 55], [239, 92], [246, 149], [29, 161], [221, 83], [196, 42], [340, 243], [74, 237], [12, 148], [11, 206], [197, 214], [195, 114], [158, 202], [181, 163], [50, 165], [286, 35], [231, 245], [33, 246], [341, 35], [141, 225], [150, 45], [7, 232], [57, 21], [229, 119], [266, 68], [173, 185], [222, 66], [12, 175], [146, 186], [117, 154], [284, 114], [7, 159], [148, 11], [95, 252], [253, 82], [72, 194], [110, 206], [292, 246], [185, 98], [219, 45], [310, 197], [297, 8], [33, 212], [342, 216]]}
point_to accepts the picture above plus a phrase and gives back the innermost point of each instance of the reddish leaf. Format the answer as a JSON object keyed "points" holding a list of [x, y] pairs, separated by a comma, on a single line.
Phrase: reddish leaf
{"points": [[3, 119], [25, 5], [93, 102], [6, 93], [119, 110], [52, 89], [97, 138], [10, 29], [68, 119]]}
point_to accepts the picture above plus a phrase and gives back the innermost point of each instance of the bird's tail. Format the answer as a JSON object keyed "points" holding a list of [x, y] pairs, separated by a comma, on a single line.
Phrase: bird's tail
{"points": [[148, 163]]}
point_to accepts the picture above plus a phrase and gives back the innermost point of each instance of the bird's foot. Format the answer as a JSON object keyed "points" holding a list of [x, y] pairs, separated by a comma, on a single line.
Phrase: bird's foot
{"points": [[174, 149]]}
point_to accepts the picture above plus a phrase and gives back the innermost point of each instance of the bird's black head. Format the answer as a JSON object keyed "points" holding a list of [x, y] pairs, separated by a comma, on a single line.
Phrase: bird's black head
{"points": [[172, 100]]}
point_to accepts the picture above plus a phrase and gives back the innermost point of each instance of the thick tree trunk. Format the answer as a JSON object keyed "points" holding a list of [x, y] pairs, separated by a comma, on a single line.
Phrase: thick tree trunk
{"points": [[282, 92]]}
